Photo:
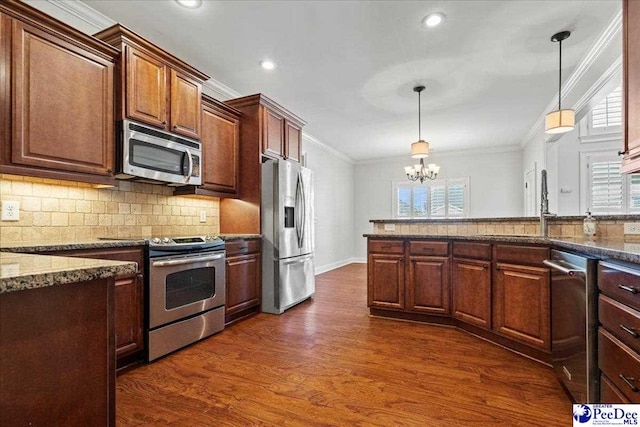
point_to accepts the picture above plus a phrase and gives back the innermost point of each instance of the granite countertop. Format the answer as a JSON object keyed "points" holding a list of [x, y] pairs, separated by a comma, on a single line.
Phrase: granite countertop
{"points": [[44, 246], [602, 248], [19, 272], [503, 219]]}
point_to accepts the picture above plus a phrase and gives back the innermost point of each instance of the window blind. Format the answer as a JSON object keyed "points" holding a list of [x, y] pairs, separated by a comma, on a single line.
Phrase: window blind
{"points": [[607, 187], [609, 111]]}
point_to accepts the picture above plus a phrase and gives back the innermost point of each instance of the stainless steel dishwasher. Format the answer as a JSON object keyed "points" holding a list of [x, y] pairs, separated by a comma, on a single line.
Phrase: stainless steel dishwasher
{"points": [[574, 323]]}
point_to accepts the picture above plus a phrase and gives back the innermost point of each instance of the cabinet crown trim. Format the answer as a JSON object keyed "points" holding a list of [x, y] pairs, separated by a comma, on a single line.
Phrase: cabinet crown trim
{"points": [[260, 99], [118, 34]]}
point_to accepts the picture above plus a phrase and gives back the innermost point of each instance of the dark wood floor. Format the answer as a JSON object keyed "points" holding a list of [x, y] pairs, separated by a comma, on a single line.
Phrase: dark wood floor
{"points": [[326, 363]]}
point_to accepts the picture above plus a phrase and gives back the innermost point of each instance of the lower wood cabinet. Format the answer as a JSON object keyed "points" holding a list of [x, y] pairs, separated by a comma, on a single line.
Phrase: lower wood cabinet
{"points": [[386, 281], [428, 285], [471, 283], [521, 304], [129, 300], [243, 279]]}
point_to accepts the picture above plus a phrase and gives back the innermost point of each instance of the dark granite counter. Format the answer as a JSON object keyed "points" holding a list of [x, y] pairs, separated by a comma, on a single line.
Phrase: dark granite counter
{"points": [[601, 248], [19, 272], [504, 219], [40, 246]]}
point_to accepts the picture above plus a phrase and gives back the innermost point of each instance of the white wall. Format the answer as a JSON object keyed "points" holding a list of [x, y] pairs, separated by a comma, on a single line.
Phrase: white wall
{"points": [[334, 205], [495, 186]]}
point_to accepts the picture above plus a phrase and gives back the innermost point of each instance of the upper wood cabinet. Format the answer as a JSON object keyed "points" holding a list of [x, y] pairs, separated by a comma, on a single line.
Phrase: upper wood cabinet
{"points": [[220, 151], [56, 99], [631, 85], [278, 130], [155, 87]]}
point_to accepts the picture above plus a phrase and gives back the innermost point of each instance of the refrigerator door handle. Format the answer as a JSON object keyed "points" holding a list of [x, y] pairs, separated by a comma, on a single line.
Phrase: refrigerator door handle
{"points": [[303, 211], [298, 208], [298, 260]]}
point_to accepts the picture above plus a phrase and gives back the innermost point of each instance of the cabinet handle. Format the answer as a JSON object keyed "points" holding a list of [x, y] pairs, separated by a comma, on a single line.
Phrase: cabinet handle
{"points": [[629, 330], [628, 289], [175, 126], [164, 123], [497, 268], [627, 381], [139, 276], [622, 153], [109, 170]]}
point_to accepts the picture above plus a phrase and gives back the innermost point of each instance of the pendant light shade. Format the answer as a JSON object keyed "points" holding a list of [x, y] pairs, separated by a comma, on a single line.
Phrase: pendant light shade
{"points": [[560, 121], [420, 149]]}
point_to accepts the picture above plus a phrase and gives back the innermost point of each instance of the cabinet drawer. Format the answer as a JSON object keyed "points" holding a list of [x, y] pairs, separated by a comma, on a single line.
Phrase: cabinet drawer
{"points": [[609, 393], [620, 282], [620, 364], [241, 247], [386, 246], [472, 250], [623, 322], [521, 254], [429, 248]]}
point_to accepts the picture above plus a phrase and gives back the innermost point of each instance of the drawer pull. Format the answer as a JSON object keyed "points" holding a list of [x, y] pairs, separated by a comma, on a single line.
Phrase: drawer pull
{"points": [[628, 289], [628, 380], [629, 330]]}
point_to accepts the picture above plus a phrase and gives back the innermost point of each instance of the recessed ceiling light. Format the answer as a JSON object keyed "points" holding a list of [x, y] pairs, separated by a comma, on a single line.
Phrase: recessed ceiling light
{"points": [[268, 64], [191, 4], [433, 20]]}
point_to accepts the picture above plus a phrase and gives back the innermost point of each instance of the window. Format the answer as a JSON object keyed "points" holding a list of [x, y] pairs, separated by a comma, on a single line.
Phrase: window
{"points": [[609, 192], [441, 198], [608, 112]]}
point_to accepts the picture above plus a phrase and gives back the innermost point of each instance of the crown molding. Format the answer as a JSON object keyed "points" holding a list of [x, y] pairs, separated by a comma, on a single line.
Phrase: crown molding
{"points": [[601, 44], [223, 91], [84, 12], [312, 140], [447, 153]]}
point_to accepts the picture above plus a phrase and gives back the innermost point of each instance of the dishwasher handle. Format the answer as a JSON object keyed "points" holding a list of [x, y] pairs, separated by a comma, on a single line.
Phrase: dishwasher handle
{"points": [[568, 271]]}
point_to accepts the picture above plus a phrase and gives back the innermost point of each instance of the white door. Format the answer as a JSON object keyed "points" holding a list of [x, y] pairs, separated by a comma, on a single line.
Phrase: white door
{"points": [[530, 208]]}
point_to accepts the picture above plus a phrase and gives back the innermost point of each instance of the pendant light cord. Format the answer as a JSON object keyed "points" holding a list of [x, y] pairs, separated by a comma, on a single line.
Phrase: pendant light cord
{"points": [[419, 116], [560, 79]]}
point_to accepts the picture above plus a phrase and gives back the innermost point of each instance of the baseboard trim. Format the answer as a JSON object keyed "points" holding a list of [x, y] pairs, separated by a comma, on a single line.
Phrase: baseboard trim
{"points": [[338, 264]]}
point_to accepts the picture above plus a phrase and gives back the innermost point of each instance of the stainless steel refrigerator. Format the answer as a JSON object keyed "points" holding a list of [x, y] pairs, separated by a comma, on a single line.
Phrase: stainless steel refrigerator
{"points": [[287, 228]]}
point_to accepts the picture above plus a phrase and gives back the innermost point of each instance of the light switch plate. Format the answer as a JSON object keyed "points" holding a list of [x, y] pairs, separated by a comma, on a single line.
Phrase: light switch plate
{"points": [[389, 227], [10, 210], [203, 216]]}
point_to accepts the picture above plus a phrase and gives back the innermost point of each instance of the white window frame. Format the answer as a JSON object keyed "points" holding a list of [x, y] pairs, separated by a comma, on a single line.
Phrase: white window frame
{"points": [[437, 182], [590, 134], [585, 182]]}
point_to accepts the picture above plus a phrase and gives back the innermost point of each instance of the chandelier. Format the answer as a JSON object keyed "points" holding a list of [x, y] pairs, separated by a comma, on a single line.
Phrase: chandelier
{"points": [[420, 150]]}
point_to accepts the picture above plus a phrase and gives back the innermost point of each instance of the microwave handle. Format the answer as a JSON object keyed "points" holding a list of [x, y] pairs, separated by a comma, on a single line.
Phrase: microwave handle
{"points": [[188, 154]]}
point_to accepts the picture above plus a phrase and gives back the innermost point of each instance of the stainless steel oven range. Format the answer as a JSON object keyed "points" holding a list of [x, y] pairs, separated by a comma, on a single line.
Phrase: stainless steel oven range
{"points": [[186, 293]]}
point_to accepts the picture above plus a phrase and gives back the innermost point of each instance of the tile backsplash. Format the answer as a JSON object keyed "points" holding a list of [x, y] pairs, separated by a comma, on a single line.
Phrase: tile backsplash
{"points": [[62, 210]]}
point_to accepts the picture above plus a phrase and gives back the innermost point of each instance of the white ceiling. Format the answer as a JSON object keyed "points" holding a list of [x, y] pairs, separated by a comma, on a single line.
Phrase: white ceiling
{"points": [[348, 67]]}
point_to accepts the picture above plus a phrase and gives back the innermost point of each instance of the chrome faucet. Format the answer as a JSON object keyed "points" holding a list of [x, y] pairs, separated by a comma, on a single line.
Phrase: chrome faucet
{"points": [[544, 206]]}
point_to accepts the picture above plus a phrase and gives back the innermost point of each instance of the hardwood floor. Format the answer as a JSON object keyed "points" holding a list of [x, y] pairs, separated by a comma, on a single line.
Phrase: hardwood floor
{"points": [[327, 363]]}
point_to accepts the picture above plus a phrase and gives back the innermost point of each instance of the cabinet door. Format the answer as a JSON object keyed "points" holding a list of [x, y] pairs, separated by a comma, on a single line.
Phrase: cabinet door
{"points": [[146, 88], [428, 285], [62, 104], [220, 145], [631, 86], [273, 134], [386, 281], [472, 291], [243, 282], [293, 141], [186, 97], [129, 306], [521, 304]]}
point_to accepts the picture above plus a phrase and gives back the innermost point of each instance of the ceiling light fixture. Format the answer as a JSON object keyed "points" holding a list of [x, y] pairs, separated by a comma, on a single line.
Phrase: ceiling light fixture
{"points": [[190, 4], [433, 20], [420, 150], [560, 121], [268, 64]]}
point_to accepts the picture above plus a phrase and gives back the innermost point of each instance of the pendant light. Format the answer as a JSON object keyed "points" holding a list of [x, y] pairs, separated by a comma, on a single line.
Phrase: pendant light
{"points": [[560, 121], [420, 150]]}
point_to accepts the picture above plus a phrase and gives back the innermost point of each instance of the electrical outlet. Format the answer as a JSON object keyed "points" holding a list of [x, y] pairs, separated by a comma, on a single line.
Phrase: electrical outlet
{"points": [[9, 270], [203, 216], [10, 210], [389, 227], [632, 228]]}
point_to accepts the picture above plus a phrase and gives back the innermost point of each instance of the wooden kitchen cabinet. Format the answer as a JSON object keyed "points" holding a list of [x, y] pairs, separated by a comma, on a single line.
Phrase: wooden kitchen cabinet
{"points": [[154, 87], [278, 130], [385, 274], [56, 97], [129, 300], [427, 284], [220, 151], [471, 283], [243, 279], [631, 86]]}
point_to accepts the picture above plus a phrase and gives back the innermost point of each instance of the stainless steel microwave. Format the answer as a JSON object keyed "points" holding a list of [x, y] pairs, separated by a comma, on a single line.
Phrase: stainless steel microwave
{"points": [[150, 155]]}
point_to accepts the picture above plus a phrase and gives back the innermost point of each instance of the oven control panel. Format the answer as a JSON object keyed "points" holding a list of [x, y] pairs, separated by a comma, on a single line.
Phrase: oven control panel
{"points": [[178, 242]]}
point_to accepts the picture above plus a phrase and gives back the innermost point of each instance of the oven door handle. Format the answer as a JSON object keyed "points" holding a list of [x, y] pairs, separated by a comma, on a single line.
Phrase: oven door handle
{"points": [[568, 271], [183, 261]]}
